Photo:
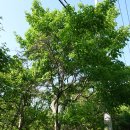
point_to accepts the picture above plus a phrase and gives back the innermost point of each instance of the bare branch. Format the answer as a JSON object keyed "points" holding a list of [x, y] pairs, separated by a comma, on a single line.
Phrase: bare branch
{"points": [[81, 95]]}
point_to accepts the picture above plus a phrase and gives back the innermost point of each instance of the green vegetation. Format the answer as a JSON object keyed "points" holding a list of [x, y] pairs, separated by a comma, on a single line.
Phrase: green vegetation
{"points": [[69, 74]]}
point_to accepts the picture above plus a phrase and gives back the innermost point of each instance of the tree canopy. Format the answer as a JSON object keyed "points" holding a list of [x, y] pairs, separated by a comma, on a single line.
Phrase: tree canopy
{"points": [[75, 74]]}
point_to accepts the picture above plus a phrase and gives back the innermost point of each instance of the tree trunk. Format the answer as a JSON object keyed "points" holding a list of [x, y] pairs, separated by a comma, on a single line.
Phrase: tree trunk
{"points": [[21, 121], [21, 116], [57, 123], [54, 107]]}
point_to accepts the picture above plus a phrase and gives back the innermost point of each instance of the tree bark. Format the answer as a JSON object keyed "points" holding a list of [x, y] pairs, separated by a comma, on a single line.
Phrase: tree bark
{"points": [[21, 119], [54, 108], [57, 123]]}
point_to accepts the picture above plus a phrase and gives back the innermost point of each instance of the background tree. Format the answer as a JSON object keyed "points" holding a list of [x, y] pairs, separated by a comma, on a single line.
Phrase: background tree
{"points": [[18, 95]]}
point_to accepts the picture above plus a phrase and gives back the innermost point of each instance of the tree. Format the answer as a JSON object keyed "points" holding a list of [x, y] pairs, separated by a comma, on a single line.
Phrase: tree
{"points": [[75, 51], [122, 118], [18, 109], [5, 62], [4, 57], [17, 94]]}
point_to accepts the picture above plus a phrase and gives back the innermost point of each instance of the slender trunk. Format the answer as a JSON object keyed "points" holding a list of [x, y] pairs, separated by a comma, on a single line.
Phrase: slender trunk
{"points": [[21, 117], [21, 121], [57, 123], [54, 107]]}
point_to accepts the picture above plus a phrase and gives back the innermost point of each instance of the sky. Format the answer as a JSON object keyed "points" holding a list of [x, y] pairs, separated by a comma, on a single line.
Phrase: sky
{"points": [[13, 13]]}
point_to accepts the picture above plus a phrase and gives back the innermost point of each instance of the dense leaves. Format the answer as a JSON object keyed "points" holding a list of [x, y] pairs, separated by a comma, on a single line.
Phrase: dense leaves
{"points": [[75, 50], [75, 75]]}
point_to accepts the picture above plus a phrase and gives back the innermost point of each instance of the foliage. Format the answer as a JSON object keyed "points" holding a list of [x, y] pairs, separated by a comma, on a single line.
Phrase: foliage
{"points": [[73, 51], [84, 115], [122, 118], [75, 74]]}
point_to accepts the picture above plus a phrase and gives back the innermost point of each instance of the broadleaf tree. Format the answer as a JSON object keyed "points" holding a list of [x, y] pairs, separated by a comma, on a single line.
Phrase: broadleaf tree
{"points": [[74, 55]]}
